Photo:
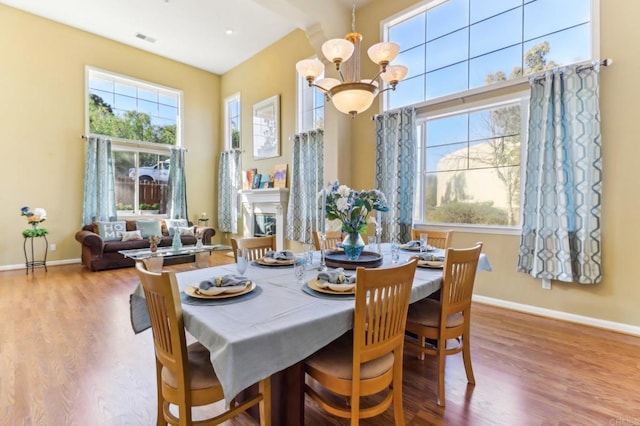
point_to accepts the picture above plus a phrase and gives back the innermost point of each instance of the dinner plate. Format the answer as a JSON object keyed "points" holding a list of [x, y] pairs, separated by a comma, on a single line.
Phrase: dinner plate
{"points": [[416, 248], [431, 264], [230, 291], [331, 288], [265, 261]]}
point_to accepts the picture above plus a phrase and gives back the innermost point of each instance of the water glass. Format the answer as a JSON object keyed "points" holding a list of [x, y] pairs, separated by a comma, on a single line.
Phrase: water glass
{"points": [[424, 242], [299, 265], [242, 261], [395, 252], [308, 257], [373, 243]]}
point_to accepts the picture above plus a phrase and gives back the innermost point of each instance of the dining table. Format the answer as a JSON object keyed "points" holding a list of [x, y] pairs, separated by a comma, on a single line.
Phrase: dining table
{"points": [[272, 329]]}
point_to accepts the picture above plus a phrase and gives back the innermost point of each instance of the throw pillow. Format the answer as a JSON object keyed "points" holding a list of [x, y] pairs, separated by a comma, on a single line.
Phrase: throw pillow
{"points": [[187, 230], [173, 223], [148, 227], [111, 231], [131, 235]]}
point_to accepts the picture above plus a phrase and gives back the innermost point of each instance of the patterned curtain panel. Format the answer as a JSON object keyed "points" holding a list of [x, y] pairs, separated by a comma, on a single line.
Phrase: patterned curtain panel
{"points": [[177, 202], [396, 170], [563, 182], [307, 173], [99, 183], [228, 187]]}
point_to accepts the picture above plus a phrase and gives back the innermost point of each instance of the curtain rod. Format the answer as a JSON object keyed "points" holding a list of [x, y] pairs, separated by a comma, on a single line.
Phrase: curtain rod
{"points": [[135, 143], [605, 63]]}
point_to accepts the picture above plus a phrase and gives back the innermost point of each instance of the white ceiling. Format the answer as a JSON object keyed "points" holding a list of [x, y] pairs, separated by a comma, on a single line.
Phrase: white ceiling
{"points": [[193, 31]]}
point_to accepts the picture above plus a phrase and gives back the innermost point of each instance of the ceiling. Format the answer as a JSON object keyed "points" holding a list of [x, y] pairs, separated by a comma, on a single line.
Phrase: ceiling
{"points": [[195, 31]]}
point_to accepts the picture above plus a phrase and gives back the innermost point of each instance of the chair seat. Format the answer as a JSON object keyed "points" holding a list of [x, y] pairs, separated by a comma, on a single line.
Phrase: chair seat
{"points": [[202, 374], [426, 312], [336, 359]]}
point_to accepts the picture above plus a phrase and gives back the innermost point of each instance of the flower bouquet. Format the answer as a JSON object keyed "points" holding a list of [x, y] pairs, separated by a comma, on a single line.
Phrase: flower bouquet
{"points": [[352, 209], [34, 218]]}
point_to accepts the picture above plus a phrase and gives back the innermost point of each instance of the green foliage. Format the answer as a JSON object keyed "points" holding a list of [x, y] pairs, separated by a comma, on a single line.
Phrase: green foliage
{"points": [[471, 213], [35, 232], [154, 206], [132, 125]]}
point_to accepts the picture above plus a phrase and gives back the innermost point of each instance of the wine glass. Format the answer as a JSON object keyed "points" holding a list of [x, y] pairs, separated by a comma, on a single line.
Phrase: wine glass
{"points": [[242, 260], [395, 252], [424, 239]]}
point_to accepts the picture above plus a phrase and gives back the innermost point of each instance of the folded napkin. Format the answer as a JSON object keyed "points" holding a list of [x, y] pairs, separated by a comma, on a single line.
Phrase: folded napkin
{"points": [[336, 276], [223, 281], [431, 257], [280, 255], [413, 243]]}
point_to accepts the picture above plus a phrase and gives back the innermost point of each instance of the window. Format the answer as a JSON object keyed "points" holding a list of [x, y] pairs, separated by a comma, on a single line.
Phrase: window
{"points": [[232, 122], [310, 106], [470, 154], [143, 121]]}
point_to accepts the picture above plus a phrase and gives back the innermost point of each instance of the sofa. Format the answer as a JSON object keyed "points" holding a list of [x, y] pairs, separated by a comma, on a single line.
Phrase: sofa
{"points": [[101, 241]]}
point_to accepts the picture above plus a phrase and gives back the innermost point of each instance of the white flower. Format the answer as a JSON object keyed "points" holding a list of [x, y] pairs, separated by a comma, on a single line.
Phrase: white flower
{"points": [[342, 204], [40, 212], [344, 191]]}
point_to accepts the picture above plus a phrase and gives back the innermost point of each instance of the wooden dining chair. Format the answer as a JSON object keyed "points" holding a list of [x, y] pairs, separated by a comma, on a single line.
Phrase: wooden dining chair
{"points": [[184, 374], [438, 239], [256, 246], [368, 359], [448, 318], [332, 238]]}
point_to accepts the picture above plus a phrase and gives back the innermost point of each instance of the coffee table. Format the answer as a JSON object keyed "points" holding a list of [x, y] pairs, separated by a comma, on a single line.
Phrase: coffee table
{"points": [[155, 260]]}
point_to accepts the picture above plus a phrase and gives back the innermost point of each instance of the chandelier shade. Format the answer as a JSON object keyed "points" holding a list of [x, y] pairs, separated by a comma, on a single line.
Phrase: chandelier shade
{"points": [[350, 94]]}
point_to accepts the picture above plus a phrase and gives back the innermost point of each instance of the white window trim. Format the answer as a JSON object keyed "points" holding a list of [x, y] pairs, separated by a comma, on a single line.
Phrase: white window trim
{"points": [[523, 96], [227, 129], [301, 86], [465, 100]]}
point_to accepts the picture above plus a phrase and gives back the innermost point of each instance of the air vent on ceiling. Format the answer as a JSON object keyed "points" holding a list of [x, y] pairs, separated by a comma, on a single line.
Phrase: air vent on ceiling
{"points": [[145, 38]]}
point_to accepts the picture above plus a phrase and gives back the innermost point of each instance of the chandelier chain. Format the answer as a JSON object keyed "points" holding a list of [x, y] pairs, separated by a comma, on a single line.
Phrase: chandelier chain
{"points": [[353, 17]]}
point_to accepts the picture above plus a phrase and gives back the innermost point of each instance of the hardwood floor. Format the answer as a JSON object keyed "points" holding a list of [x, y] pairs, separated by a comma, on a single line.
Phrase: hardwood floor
{"points": [[68, 356]]}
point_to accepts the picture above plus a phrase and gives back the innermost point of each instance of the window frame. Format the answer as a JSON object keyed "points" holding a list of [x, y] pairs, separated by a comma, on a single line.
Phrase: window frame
{"points": [[303, 91], [475, 98], [136, 147], [228, 131]]}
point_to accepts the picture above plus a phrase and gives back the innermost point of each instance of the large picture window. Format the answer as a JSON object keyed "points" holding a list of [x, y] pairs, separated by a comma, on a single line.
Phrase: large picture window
{"points": [[481, 52], [143, 121]]}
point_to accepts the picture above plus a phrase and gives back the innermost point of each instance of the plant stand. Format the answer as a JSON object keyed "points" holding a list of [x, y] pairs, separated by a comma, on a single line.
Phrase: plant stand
{"points": [[29, 254]]}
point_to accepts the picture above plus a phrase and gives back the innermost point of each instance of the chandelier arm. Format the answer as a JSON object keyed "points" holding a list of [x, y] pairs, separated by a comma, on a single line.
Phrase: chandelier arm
{"points": [[392, 87], [325, 91], [380, 71]]}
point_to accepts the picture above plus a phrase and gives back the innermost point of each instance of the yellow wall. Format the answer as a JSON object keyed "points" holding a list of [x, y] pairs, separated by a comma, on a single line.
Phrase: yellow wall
{"points": [[42, 86]]}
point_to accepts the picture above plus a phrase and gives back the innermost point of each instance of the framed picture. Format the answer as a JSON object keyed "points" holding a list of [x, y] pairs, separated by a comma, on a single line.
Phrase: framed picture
{"points": [[266, 128]]}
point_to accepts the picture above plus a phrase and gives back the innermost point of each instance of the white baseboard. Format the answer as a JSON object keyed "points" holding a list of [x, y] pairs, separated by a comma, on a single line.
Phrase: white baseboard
{"points": [[49, 263], [579, 319]]}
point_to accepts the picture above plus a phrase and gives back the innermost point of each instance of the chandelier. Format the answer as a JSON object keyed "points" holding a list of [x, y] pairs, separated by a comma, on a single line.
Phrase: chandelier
{"points": [[350, 94]]}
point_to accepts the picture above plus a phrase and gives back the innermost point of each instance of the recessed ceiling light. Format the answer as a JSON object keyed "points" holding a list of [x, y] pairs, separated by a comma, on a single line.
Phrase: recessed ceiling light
{"points": [[228, 31]]}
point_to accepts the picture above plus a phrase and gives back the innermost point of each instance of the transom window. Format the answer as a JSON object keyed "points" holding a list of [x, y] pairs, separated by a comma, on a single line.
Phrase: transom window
{"points": [[470, 154], [310, 106], [232, 122], [143, 121]]}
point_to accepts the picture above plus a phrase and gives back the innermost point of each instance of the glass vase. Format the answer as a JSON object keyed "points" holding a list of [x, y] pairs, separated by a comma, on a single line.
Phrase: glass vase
{"points": [[353, 245]]}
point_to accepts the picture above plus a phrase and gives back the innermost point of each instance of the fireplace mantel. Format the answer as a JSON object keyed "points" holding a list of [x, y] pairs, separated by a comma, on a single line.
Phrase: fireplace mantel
{"points": [[266, 201]]}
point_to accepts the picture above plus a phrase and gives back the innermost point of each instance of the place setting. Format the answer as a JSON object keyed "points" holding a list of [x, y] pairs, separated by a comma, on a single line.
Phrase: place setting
{"points": [[331, 284], [272, 258], [222, 289]]}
